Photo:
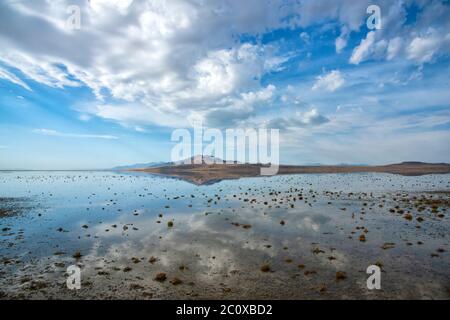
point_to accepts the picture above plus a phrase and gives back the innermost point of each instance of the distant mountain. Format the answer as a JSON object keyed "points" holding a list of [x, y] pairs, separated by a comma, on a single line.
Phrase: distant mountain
{"points": [[352, 165], [198, 159], [142, 165], [204, 159]]}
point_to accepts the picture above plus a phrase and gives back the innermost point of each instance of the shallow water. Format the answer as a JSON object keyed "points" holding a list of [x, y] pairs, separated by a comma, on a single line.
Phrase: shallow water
{"points": [[304, 228]]}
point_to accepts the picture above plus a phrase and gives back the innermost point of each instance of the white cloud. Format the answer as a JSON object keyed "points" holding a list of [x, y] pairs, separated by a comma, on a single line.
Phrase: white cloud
{"points": [[262, 95], [48, 132], [294, 120], [341, 41], [364, 49], [374, 138], [349, 12], [369, 48], [423, 49], [102, 5], [394, 47], [131, 115], [420, 41], [4, 74], [222, 72], [36, 69], [164, 62], [329, 82], [169, 59], [305, 37], [238, 110], [374, 148]]}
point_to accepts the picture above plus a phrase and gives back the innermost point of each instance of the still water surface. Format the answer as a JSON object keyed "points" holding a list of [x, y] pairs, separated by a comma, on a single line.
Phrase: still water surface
{"points": [[212, 241]]}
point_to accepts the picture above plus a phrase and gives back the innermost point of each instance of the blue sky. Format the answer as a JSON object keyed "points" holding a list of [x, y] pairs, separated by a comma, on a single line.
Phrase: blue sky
{"points": [[112, 92]]}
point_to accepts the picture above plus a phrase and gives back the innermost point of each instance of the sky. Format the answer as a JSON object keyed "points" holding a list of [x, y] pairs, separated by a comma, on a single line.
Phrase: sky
{"points": [[112, 91]]}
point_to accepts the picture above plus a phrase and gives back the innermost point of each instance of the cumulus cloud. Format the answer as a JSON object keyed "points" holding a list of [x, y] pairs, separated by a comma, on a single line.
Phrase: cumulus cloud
{"points": [[423, 49], [165, 62], [299, 120], [420, 42], [169, 59], [369, 48], [54, 133], [364, 49], [394, 47], [239, 109], [329, 82], [347, 12]]}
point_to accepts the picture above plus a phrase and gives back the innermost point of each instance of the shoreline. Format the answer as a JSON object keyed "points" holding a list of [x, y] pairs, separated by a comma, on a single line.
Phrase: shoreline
{"points": [[206, 174]]}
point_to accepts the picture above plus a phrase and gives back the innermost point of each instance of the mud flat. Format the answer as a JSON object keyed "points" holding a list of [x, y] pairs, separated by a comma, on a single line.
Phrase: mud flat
{"points": [[288, 236], [12, 206]]}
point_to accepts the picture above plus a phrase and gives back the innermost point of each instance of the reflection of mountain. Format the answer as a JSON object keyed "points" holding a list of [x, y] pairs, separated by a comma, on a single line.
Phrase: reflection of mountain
{"points": [[203, 172]]}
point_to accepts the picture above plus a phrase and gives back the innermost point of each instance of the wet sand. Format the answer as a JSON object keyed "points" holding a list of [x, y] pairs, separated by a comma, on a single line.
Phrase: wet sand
{"points": [[284, 237], [12, 206]]}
